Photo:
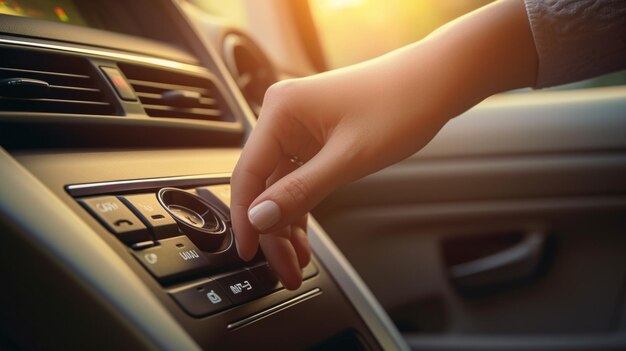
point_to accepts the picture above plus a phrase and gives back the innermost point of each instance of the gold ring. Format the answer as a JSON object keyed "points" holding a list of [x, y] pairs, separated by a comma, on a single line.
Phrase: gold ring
{"points": [[296, 161]]}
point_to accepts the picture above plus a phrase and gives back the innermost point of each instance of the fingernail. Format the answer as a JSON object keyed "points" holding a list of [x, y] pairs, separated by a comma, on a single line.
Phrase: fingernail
{"points": [[264, 215]]}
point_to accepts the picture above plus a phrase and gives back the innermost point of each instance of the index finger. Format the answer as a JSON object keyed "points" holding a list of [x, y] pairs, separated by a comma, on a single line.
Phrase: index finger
{"points": [[257, 162]]}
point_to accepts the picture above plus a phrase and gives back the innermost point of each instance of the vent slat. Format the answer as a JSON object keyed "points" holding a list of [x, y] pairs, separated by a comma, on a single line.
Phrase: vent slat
{"points": [[59, 80], [155, 99], [73, 86], [149, 83], [53, 106], [60, 101], [186, 110], [164, 86], [94, 90], [32, 71], [74, 93]]}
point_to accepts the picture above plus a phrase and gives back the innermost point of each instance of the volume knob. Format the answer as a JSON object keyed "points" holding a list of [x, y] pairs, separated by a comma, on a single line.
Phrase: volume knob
{"points": [[201, 221]]}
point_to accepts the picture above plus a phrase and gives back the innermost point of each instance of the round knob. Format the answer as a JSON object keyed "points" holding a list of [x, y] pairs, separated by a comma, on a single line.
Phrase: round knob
{"points": [[201, 221]]}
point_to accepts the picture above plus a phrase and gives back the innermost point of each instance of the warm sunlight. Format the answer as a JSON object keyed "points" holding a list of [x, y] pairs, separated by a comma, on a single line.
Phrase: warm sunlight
{"points": [[372, 27]]}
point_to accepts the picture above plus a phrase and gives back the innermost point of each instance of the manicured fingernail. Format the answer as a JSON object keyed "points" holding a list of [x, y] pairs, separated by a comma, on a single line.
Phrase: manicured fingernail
{"points": [[264, 215]]}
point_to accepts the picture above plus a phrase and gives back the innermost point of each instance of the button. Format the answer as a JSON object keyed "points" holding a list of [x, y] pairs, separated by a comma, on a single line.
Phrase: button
{"points": [[117, 218], [309, 271], [142, 245], [220, 192], [268, 281], [172, 258], [148, 208], [202, 299], [241, 287], [120, 84], [218, 195]]}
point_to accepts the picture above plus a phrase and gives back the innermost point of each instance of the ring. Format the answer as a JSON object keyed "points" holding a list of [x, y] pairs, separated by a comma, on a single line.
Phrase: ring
{"points": [[296, 161]]}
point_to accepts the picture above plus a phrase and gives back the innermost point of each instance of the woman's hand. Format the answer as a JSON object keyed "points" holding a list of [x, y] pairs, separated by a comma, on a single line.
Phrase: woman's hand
{"points": [[318, 133], [339, 126]]}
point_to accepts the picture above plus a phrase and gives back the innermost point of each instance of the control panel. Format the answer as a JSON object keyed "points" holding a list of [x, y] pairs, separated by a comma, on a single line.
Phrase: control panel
{"points": [[184, 239]]}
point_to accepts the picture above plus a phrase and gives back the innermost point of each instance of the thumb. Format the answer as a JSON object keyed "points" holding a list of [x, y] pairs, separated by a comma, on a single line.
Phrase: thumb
{"points": [[295, 194]]}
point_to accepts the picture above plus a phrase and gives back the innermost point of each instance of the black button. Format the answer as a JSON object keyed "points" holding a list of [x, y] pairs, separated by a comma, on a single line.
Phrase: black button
{"points": [[172, 258], [203, 299], [241, 287], [117, 218], [268, 281], [120, 83], [309, 271], [148, 208]]}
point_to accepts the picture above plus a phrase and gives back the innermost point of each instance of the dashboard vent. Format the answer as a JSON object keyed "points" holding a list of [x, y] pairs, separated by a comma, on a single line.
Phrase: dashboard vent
{"points": [[250, 67], [176, 95], [55, 84]]}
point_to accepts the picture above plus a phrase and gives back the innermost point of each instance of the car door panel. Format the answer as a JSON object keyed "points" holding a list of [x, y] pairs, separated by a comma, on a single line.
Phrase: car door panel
{"points": [[552, 163]]}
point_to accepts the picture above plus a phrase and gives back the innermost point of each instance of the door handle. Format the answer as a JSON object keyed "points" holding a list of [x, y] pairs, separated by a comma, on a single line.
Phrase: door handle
{"points": [[509, 265]]}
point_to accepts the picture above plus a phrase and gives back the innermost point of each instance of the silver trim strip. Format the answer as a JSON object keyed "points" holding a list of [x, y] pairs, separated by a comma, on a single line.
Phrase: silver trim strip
{"points": [[108, 54], [282, 306], [355, 289], [140, 184]]}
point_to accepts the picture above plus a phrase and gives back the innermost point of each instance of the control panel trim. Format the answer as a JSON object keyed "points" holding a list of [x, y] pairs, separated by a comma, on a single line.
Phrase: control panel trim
{"points": [[146, 184], [274, 309]]}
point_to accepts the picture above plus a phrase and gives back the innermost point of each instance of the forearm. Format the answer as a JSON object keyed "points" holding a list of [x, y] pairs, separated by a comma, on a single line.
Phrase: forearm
{"points": [[483, 53], [491, 50], [420, 87], [351, 122]]}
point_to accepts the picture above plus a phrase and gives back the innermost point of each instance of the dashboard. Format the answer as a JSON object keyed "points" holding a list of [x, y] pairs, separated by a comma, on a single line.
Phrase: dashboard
{"points": [[120, 125]]}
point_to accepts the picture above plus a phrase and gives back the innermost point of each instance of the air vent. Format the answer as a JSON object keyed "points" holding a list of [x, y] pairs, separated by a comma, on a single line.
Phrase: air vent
{"points": [[250, 67], [176, 95], [33, 81]]}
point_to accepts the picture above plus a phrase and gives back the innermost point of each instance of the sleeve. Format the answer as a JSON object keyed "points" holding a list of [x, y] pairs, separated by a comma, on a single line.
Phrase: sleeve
{"points": [[577, 39]]}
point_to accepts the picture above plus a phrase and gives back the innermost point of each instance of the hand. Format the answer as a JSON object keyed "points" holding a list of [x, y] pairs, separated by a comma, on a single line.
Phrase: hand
{"points": [[351, 122], [341, 129]]}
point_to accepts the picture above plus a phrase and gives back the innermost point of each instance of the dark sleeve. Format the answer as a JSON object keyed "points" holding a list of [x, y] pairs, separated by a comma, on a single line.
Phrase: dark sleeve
{"points": [[577, 39]]}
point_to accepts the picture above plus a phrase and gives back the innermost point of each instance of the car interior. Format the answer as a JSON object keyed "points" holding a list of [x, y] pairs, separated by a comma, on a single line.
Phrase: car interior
{"points": [[121, 123]]}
